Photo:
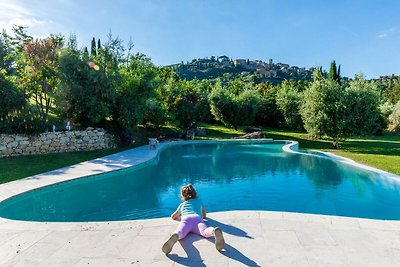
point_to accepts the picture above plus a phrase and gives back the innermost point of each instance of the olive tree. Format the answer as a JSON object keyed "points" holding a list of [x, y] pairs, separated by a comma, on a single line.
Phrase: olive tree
{"points": [[231, 109], [289, 101], [322, 110], [361, 108]]}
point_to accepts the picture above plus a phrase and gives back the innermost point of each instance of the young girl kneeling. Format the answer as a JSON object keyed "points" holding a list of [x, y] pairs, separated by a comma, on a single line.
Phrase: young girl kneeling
{"points": [[192, 213]]}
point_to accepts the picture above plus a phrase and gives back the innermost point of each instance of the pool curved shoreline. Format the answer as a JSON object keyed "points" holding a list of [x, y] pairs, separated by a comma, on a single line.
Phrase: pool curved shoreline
{"points": [[139, 156]]}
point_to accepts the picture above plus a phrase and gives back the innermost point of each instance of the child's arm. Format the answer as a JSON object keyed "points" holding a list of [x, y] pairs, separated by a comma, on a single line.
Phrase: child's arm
{"points": [[175, 215], [203, 211]]}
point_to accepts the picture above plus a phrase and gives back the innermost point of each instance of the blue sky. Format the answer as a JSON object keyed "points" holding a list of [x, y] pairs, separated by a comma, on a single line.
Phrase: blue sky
{"points": [[361, 35]]}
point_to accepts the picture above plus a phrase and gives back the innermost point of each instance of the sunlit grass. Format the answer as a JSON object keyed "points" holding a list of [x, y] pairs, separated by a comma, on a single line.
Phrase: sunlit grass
{"points": [[382, 152], [14, 168]]}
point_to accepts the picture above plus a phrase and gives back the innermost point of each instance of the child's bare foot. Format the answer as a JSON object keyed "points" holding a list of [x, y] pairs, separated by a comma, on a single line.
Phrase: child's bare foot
{"points": [[219, 238], [167, 247]]}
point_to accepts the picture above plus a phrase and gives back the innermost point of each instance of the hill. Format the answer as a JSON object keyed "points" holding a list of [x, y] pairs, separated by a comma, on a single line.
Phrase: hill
{"points": [[224, 67]]}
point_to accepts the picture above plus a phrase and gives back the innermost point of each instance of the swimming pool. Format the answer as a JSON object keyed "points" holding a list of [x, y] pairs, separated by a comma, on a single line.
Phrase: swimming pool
{"points": [[227, 175]]}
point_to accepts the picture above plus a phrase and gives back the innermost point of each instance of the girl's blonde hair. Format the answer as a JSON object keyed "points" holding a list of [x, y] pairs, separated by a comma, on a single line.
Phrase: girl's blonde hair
{"points": [[188, 192]]}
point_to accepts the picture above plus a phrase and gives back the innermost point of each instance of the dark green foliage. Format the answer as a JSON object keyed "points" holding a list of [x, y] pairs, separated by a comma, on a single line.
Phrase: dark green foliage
{"points": [[11, 98], [393, 91], [322, 111], [86, 95], [85, 56], [332, 110], [234, 109], [25, 121], [155, 114], [268, 113], [183, 101], [93, 50], [289, 101], [361, 102], [6, 59], [334, 73], [137, 85]]}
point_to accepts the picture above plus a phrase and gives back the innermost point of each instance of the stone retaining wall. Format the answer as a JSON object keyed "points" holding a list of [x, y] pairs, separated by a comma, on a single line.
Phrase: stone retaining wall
{"points": [[52, 142]]}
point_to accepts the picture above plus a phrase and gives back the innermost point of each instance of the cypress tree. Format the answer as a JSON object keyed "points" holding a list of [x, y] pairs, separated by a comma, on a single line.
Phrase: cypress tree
{"points": [[98, 45], [93, 52], [334, 73]]}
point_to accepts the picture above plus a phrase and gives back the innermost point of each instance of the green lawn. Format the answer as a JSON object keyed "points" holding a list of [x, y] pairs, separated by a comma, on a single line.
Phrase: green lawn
{"points": [[18, 167], [382, 152]]}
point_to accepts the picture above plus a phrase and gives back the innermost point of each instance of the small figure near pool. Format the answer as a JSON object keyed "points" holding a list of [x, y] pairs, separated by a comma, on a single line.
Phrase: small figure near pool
{"points": [[192, 212], [153, 143]]}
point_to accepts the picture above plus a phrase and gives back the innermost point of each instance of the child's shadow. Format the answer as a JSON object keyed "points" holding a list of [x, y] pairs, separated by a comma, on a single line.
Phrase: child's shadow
{"points": [[193, 255], [227, 228]]}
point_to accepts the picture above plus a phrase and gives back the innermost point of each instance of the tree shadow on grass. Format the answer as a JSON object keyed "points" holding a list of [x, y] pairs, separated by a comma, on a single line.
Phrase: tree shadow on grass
{"points": [[387, 148], [375, 146], [193, 255]]}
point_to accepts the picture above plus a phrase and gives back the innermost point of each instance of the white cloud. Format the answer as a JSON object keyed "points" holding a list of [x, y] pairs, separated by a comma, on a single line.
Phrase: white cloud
{"points": [[388, 33], [16, 13], [9, 8]]}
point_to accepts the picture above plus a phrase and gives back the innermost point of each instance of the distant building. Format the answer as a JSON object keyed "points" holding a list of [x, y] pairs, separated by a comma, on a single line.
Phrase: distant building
{"points": [[224, 61], [239, 62], [262, 71], [223, 58], [270, 62], [270, 73], [283, 66]]}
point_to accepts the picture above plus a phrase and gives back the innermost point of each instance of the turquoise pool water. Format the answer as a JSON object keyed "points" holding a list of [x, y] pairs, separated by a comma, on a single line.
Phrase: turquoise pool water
{"points": [[227, 176]]}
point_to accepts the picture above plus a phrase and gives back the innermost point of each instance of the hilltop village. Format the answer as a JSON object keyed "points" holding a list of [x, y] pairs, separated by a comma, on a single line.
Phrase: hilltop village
{"points": [[213, 67]]}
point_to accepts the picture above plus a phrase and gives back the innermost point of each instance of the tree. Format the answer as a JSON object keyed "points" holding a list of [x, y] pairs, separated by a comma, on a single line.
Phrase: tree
{"points": [[137, 84], [87, 96], [322, 110], [39, 77], [11, 98], [393, 91], [361, 108], [318, 74], [334, 73], [233, 110], [85, 55], [289, 101], [268, 113], [394, 117], [93, 51], [6, 59]]}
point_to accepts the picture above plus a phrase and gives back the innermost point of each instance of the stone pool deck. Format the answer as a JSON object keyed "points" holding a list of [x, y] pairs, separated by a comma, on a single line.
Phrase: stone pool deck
{"points": [[253, 238]]}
